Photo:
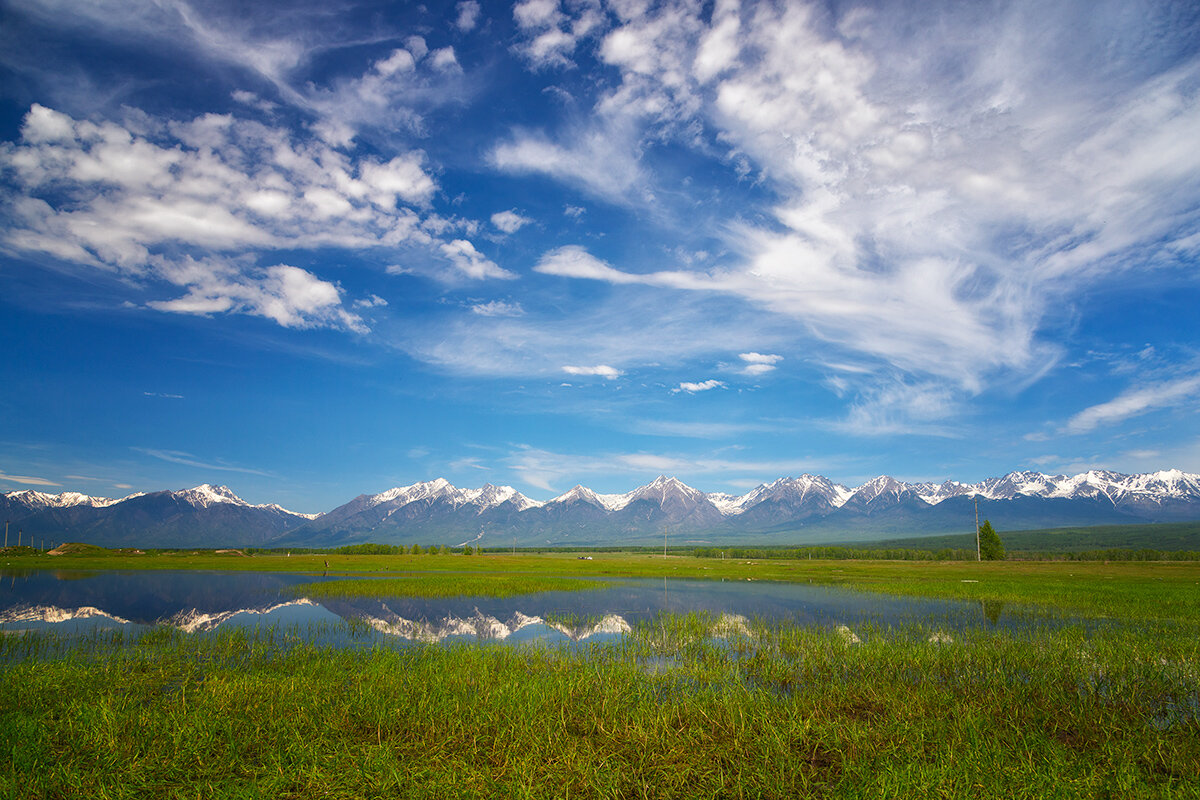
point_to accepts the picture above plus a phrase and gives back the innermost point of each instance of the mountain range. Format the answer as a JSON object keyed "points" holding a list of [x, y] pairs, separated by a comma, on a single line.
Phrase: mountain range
{"points": [[804, 510]]}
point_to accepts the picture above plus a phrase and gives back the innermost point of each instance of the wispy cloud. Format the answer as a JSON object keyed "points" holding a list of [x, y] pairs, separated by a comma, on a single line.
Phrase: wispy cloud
{"points": [[26, 480], [189, 460], [927, 233], [600, 370], [1135, 402], [548, 470]]}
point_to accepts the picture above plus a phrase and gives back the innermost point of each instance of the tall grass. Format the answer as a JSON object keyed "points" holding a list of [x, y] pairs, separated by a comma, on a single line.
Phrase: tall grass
{"points": [[684, 706]]}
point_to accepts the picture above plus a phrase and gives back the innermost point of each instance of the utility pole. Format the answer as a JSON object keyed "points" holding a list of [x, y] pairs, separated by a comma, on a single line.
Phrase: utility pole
{"points": [[19, 532], [5, 534], [978, 557], [664, 544]]}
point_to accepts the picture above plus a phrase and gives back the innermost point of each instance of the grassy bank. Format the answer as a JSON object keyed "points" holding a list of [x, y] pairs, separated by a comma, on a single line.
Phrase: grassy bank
{"points": [[776, 712], [1133, 590]]}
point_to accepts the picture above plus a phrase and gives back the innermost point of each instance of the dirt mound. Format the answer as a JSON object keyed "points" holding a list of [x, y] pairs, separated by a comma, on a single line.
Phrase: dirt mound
{"points": [[76, 549]]}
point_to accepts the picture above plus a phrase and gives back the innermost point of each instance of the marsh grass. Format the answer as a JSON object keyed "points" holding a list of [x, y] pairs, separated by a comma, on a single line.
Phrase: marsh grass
{"points": [[445, 586], [681, 707]]}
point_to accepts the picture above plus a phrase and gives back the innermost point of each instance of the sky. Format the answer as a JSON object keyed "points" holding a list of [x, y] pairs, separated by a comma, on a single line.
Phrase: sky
{"points": [[315, 250]]}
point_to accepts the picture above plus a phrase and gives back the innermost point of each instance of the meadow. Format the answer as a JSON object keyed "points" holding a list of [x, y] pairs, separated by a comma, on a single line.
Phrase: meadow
{"points": [[684, 706]]}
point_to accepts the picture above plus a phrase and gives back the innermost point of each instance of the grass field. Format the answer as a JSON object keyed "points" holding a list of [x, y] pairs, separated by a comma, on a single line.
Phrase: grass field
{"points": [[684, 706], [667, 712]]}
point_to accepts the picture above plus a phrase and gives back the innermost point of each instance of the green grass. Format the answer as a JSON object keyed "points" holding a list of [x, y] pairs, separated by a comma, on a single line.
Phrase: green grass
{"points": [[442, 586], [1165, 536], [666, 712], [1129, 590]]}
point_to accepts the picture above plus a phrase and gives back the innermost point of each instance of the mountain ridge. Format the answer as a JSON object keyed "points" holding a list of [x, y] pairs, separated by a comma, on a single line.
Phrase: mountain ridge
{"points": [[788, 509]]}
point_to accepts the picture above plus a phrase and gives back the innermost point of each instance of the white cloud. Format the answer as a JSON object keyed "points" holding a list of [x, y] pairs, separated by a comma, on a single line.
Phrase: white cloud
{"points": [[927, 221], [444, 60], [27, 480], [546, 469], [468, 15], [602, 370], [218, 183], [601, 159], [292, 297], [509, 221], [1135, 402], [374, 301], [471, 263], [189, 460], [573, 261], [702, 386], [759, 363], [498, 308]]}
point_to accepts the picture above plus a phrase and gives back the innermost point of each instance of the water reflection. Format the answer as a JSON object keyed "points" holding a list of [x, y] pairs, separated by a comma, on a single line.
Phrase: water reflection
{"points": [[199, 602]]}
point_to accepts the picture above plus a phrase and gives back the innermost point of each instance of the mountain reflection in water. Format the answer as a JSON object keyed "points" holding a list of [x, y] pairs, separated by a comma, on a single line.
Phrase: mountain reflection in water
{"points": [[198, 602]]}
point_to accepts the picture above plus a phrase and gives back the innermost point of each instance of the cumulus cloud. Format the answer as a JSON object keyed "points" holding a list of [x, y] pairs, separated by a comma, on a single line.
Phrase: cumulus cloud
{"points": [[132, 199], [702, 386], [216, 182], [759, 363], [1135, 402], [601, 370], [509, 221], [471, 263], [550, 32], [292, 297], [374, 301], [468, 15]]}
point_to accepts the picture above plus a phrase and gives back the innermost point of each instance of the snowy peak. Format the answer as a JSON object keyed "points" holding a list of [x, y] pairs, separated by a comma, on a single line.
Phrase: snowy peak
{"points": [[582, 494], [807, 489], [440, 489], [881, 489], [206, 495], [663, 490], [40, 500]]}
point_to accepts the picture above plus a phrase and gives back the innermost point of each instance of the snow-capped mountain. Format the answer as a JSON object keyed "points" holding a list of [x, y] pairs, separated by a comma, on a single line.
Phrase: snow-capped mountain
{"points": [[421, 507], [788, 510], [203, 516], [36, 501]]}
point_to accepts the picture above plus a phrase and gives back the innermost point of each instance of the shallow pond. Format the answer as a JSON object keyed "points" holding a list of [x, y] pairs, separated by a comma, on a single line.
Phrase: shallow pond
{"points": [[73, 603]]}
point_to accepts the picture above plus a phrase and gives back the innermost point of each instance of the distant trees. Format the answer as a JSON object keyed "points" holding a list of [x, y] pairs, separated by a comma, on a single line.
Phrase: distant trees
{"points": [[990, 546]]}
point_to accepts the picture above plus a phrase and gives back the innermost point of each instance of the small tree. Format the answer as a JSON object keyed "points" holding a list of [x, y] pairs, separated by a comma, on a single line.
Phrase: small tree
{"points": [[990, 546], [416, 550]]}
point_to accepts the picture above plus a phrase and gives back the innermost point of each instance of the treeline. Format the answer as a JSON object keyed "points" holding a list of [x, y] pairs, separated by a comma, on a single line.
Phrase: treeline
{"points": [[943, 554], [837, 553], [1113, 554], [368, 549]]}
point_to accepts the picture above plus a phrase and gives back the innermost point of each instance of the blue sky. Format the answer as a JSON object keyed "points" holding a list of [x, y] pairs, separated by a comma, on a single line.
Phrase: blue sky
{"points": [[315, 250]]}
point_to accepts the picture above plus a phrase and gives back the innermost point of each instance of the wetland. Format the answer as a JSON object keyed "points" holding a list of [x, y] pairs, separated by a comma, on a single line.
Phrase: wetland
{"points": [[628, 676]]}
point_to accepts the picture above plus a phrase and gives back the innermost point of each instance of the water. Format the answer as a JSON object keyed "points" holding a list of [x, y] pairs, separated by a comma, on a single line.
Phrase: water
{"points": [[74, 603]]}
